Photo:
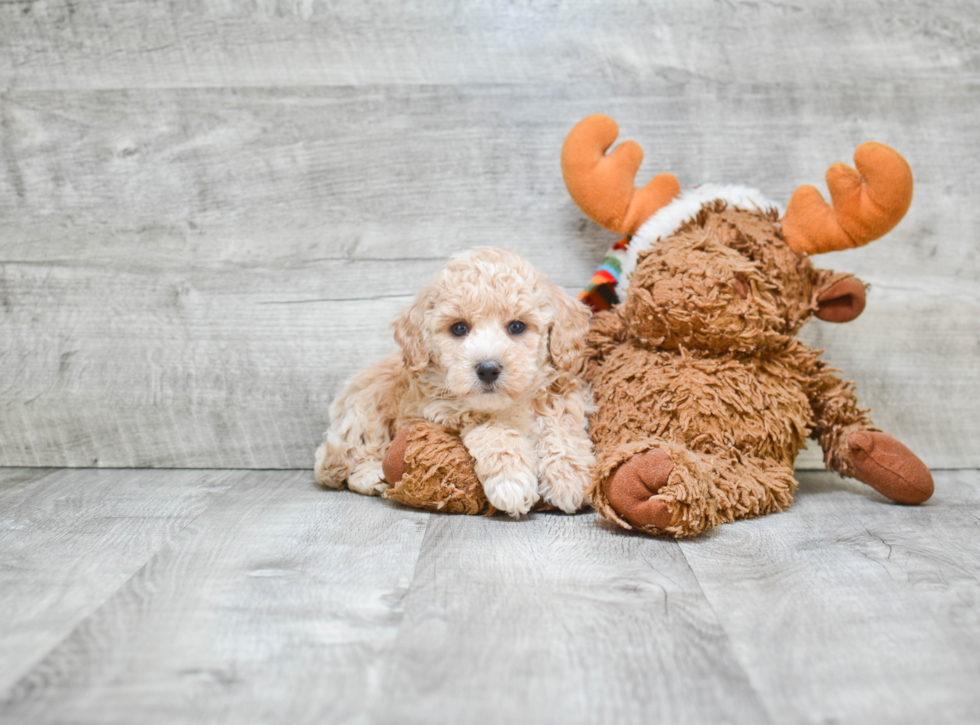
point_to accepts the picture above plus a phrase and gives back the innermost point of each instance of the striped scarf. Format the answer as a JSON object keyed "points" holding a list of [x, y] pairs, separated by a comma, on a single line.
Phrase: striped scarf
{"points": [[600, 293]]}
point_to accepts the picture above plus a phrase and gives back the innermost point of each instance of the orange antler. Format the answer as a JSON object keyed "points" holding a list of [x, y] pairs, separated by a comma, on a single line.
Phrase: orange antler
{"points": [[602, 186], [867, 203]]}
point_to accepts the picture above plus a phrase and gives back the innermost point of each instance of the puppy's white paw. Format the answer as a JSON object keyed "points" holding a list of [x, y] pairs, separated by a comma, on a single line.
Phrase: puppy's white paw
{"points": [[568, 499], [564, 484], [515, 494], [368, 478]]}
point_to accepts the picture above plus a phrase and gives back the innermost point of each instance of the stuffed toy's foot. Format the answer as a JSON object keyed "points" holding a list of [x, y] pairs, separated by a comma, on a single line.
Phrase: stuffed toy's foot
{"points": [[889, 467], [428, 467], [393, 465], [633, 487], [663, 487]]}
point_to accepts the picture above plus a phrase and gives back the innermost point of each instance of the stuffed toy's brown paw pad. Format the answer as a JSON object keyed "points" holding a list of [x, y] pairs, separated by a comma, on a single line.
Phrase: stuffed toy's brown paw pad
{"points": [[632, 487], [889, 467], [393, 464]]}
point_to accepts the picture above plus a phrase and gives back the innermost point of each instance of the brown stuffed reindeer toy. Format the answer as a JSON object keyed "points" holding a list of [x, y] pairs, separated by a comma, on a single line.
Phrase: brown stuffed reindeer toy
{"points": [[703, 393]]}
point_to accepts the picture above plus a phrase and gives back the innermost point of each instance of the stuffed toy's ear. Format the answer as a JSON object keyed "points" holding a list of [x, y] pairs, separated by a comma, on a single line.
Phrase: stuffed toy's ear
{"points": [[840, 300], [569, 323], [408, 333]]}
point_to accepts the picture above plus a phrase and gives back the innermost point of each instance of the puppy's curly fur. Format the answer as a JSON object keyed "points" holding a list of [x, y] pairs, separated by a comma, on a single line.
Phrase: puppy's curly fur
{"points": [[487, 350]]}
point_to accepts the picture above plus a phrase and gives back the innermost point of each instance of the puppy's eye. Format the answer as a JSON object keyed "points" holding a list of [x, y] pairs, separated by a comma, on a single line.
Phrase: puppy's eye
{"points": [[516, 327], [460, 329]]}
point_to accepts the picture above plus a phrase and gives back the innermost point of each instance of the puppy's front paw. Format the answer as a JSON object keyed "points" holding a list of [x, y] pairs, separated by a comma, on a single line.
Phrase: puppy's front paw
{"points": [[564, 484], [515, 494], [368, 479], [568, 498]]}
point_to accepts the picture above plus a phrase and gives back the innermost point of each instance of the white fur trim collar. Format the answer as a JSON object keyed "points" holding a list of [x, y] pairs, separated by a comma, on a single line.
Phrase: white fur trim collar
{"points": [[684, 208]]}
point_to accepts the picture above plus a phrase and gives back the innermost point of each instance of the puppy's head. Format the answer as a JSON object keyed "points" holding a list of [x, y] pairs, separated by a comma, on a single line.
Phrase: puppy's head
{"points": [[489, 329]]}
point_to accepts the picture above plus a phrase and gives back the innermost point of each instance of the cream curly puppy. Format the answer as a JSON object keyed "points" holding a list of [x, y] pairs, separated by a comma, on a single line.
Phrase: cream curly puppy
{"points": [[487, 350]]}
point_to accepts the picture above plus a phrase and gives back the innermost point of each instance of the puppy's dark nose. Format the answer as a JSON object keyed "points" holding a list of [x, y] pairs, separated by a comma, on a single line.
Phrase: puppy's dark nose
{"points": [[488, 371]]}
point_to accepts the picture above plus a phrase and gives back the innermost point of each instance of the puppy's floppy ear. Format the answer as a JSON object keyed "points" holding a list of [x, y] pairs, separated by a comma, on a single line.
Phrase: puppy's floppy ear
{"points": [[408, 333], [570, 322]]}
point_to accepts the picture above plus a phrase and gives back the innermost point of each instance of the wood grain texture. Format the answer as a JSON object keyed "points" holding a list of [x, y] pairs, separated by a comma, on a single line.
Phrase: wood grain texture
{"points": [[558, 620], [850, 609], [246, 177], [278, 602], [214, 43], [211, 211], [14, 480], [274, 605], [70, 539]]}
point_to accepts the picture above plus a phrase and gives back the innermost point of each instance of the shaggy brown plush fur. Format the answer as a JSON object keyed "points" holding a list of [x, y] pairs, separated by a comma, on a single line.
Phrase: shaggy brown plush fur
{"points": [[428, 467], [704, 396]]}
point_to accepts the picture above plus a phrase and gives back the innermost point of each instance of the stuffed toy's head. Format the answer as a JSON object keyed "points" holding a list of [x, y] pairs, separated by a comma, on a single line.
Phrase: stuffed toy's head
{"points": [[727, 281], [715, 268]]}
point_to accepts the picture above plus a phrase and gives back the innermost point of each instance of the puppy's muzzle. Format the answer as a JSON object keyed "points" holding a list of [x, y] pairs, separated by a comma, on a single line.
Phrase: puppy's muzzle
{"points": [[488, 371]]}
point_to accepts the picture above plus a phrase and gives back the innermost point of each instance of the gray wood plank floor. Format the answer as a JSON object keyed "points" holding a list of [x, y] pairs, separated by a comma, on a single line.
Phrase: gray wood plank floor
{"points": [[252, 596]]}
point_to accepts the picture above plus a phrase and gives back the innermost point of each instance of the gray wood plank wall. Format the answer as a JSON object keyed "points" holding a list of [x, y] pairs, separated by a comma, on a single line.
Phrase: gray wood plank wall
{"points": [[209, 211]]}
